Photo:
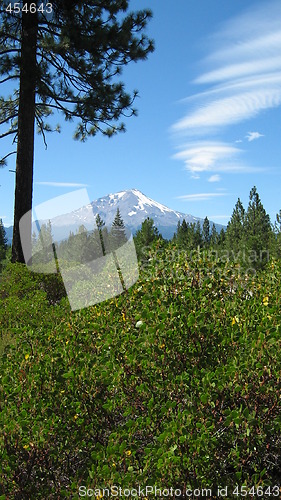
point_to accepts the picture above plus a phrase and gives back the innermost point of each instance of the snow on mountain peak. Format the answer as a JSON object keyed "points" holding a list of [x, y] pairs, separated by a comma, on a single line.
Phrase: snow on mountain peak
{"points": [[134, 207], [117, 195], [145, 200]]}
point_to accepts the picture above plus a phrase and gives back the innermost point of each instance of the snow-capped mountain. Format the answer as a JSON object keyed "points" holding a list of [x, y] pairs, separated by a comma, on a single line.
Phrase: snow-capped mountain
{"points": [[134, 208]]}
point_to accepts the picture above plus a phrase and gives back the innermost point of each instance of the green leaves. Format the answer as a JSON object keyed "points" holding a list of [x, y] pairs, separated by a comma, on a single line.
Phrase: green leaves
{"points": [[204, 398], [68, 375], [100, 400]]}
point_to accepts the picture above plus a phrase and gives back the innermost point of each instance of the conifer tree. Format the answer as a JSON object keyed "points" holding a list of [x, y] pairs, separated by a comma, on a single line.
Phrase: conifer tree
{"points": [[214, 237], [81, 245], [148, 232], [206, 232], [102, 232], [182, 233], [145, 236], [278, 222], [42, 247], [198, 238], [3, 241], [221, 238], [258, 230], [277, 231], [191, 236], [118, 232], [235, 231], [99, 222], [66, 58], [176, 234]]}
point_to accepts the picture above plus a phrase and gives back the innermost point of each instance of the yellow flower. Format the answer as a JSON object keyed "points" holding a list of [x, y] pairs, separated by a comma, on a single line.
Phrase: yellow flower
{"points": [[75, 417], [113, 465], [265, 301], [161, 346], [235, 319], [128, 453], [124, 317], [26, 356], [26, 446]]}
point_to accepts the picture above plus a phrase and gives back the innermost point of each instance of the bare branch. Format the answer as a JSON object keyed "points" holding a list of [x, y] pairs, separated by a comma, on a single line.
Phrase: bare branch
{"points": [[8, 51], [10, 77]]}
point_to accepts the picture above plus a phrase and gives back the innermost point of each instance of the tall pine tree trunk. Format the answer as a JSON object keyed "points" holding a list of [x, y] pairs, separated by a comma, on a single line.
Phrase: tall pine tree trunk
{"points": [[26, 122]]}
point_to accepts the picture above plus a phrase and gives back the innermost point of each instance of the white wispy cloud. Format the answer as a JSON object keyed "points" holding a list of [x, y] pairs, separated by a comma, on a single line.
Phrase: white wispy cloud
{"points": [[214, 178], [200, 196], [258, 28], [252, 136], [242, 73], [61, 184], [202, 156], [230, 110], [235, 71], [213, 156]]}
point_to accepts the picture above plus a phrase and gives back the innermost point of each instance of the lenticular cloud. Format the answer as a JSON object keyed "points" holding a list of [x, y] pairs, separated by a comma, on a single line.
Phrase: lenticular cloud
{"points": [[243, 75]]}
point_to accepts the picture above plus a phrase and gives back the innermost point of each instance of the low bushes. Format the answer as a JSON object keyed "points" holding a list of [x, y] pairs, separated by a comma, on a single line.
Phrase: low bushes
{"points": [[175, 383]]}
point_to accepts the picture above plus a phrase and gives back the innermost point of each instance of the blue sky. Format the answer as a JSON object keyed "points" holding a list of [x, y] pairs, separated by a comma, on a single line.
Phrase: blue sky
{"points": [[209, 123]]}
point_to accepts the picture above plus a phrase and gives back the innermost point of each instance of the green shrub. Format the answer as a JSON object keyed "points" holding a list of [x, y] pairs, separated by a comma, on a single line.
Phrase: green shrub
{"points": [[175, 383]]}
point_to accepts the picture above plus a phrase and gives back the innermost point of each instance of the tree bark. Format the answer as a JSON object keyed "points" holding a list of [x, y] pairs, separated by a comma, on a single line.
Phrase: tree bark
{"points": [[26, 123]]}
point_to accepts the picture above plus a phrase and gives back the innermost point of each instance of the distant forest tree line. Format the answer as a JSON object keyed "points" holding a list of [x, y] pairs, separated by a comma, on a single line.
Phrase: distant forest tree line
{"points": [[82, 246], [249, 237]]}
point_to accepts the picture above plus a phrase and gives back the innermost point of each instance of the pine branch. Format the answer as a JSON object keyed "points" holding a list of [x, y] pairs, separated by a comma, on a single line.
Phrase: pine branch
{"points": [[3, 162], [40, 124], [10, 117], [59, 99], [69, 80], [50, 31]]}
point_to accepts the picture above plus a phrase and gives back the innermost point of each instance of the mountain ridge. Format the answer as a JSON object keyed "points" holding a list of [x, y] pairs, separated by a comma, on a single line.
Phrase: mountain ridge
{"points": [[134, 208]]}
